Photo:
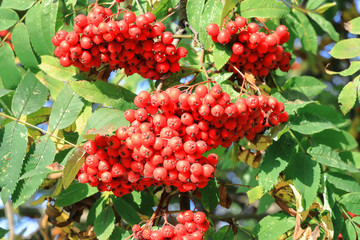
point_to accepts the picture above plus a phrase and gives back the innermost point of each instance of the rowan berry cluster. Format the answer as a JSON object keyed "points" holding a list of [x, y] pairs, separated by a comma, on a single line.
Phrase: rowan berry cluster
{"points": [[8, 39], [169, 133], [191, 226], [136, 43], [253, 51]]}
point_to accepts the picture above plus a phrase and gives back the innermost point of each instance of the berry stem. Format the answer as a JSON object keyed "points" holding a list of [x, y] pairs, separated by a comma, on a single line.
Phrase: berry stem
{"points": [[37, 128], [170, 14], [139, 6], [183, 36], [263, 24]]}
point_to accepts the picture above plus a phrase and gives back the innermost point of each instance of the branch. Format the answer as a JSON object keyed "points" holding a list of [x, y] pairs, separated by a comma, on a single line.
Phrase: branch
{"points": [[10, 219], [181, 28], [37, 128]]}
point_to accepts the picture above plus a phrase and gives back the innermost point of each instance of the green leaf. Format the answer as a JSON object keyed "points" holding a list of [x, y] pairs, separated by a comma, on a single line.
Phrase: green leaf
{"points": [[145, 202], [48, 16], [65, 110], [95, 210], [265, 9], [8, 18], [105, 93], [336, 214], [273, 226], [143, 5], [292, 99], [305, 174], [228, 6], [4, 92], [74, 161], [34, 27], [105, 224], [18, 4], [210, 195], [344, 140], [21, 41], [194, 9], [3, 232], [210, 15], [309, 123], [276, 158], [353, 26], [346, 49], [43, 154], [351, 202], [12, 153], [325, 25], [9, 73], [34, 23], [29, 96], [325, 155], [343, 182], [37, 172], [54, 86], [353, 68], [119, 233], [225, 233], [353, 157], [103, 117], [350, 230], [307, 85], [74, 193], [347, 97], [126, 211], [265, 202], [323, 8], [221, 55], [222, 77], [255, 194], [327, 112], [313, 4], [52, 67], [161, 8], [305, 31]]}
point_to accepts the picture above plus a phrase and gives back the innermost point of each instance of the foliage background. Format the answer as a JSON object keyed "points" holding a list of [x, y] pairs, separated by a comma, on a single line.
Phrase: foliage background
{"points": [[317, 149]]}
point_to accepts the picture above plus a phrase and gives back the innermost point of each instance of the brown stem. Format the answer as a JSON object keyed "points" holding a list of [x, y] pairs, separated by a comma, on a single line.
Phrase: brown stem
{"points": [[9, 211], [139, 6], [285, 207]]}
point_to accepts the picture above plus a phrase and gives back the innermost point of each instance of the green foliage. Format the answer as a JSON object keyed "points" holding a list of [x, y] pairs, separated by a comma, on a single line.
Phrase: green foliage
{"points": [[105, 223], [30, 96], [12, 152], [21, 41], [305, 174], [52, 67], [8, 72], [270, 9], [8, 18], [351, 202], [130, 215], [74, 193], [273, 226], [347, 97], [65, 110], [105, 93], [210, 195], [276, 158], [209, 15], [346, 49]]}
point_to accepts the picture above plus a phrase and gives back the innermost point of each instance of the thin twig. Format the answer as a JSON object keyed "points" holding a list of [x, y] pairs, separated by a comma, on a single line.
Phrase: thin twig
{"points": [[139, 6], [37, 128], [9, 213]]}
